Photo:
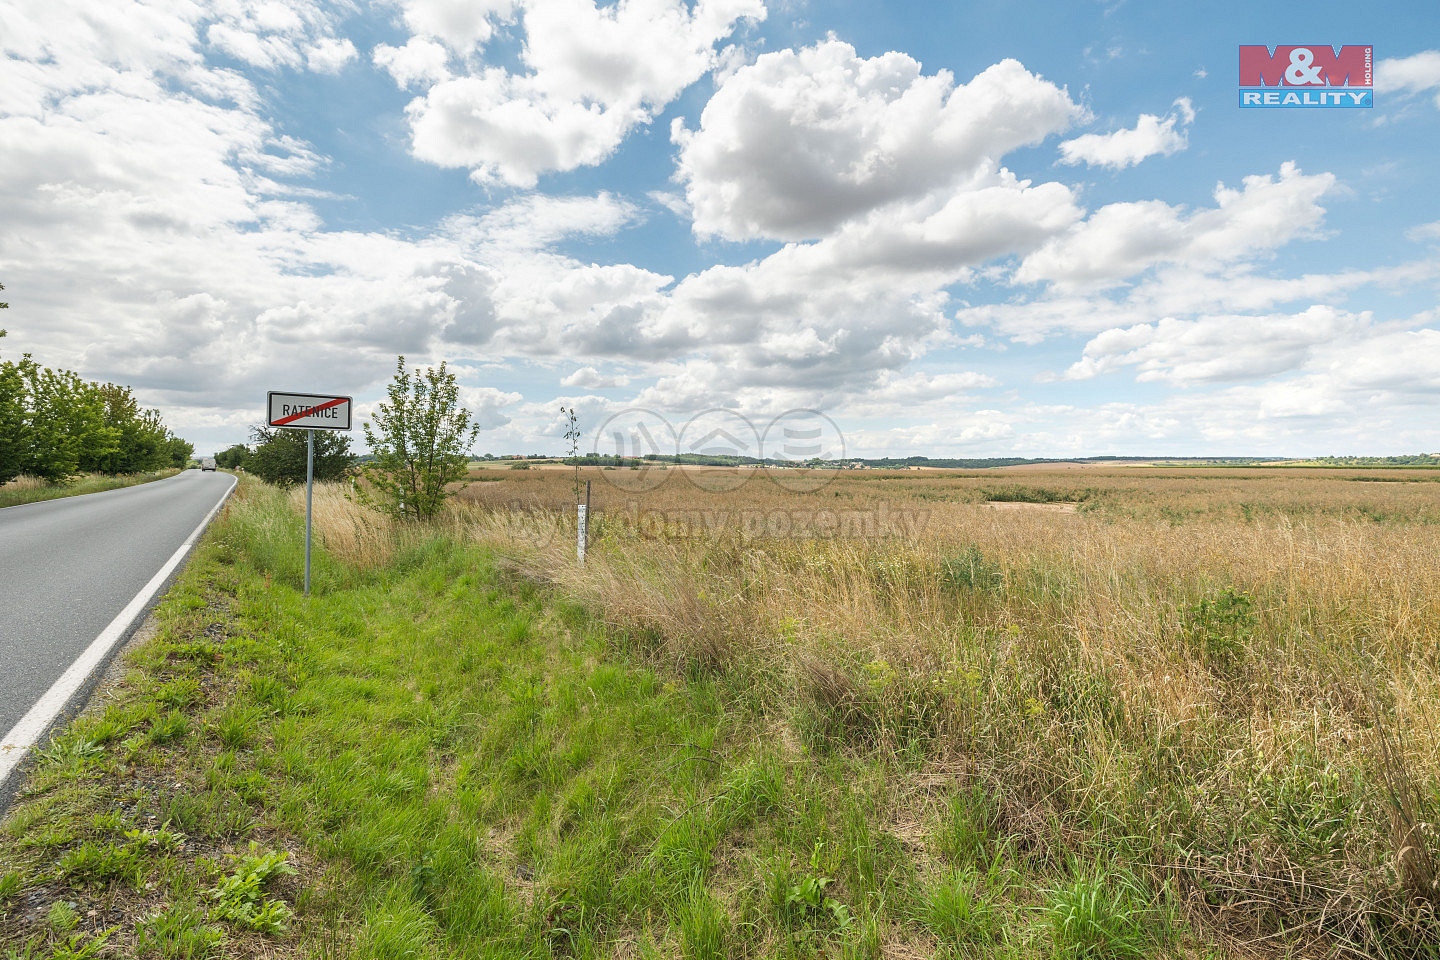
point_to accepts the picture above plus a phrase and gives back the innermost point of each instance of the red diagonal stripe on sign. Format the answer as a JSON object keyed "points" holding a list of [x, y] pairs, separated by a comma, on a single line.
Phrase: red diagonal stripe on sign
{"points": [[307, 411]]}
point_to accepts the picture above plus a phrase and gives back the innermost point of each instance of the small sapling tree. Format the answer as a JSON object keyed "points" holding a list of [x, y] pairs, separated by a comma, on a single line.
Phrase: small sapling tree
{"points": [[420, 441], [572, 435]]}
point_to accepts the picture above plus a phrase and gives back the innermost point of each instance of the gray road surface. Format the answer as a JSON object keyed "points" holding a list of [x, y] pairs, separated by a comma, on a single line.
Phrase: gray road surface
{"points": [[69, 566]]}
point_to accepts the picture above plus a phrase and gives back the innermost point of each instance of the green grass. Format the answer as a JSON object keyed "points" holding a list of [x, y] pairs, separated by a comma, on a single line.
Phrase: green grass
{"points": [[959, 913], [1096, 914], [27, 491], [439, 760]]}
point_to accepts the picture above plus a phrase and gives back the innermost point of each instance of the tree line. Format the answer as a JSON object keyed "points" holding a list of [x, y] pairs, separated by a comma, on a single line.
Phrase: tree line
{"points": [[55, 424]]}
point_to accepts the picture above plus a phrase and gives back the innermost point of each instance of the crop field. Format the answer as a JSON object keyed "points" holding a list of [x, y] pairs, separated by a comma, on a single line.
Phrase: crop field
{"points": [[1092, 712]]}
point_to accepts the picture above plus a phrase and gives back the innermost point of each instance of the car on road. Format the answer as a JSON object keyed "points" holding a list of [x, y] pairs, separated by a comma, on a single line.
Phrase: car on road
{"points": [[207, 464]]}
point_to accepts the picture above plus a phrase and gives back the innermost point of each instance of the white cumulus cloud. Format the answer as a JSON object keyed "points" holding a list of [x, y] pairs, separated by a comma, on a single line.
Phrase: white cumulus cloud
{"points": [[159, 231], [799, 142], [1123, 239], [585, 85], [918, 394], [271, 34], [154, 237], [487, 405], [588, 378], [329, 55], [420, 62], [1409, 76], [462, 25], [1150, 137], [1217, 349], [536, 221]]}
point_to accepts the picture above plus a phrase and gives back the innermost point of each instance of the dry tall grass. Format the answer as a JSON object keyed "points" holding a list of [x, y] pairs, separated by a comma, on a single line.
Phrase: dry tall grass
{"points": [[28, 489], [364, 538], [1230, 678], [23, 483]]}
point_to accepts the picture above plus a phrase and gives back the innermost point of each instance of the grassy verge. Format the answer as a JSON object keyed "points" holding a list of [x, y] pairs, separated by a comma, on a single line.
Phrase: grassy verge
{"points": [[29, 490], [434, 762], [432, 757]]}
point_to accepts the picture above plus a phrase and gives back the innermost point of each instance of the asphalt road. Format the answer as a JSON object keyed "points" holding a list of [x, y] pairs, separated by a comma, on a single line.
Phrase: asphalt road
{"points": [[68, 567]]}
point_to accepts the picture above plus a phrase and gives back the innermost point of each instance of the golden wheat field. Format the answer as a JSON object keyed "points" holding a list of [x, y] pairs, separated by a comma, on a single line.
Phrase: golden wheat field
{"points": [[1230, 677]]}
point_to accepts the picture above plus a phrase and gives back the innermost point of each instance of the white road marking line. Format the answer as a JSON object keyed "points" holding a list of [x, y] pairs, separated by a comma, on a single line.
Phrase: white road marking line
{"points": [[16, 744]]}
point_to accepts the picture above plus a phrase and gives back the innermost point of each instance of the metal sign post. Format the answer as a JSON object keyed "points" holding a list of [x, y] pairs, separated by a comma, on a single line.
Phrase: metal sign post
{"points": [[308, 412], [309, 499]]}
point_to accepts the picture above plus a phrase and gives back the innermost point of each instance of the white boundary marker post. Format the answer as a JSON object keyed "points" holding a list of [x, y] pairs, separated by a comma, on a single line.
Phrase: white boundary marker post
{"points": [[580, 533], [582, 526]]}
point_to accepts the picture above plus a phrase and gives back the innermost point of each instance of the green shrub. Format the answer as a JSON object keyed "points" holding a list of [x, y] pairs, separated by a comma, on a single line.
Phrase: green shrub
{"points": [[420, 442], [1020, 494], [971, 571], [238, 898], [1218, 627]]}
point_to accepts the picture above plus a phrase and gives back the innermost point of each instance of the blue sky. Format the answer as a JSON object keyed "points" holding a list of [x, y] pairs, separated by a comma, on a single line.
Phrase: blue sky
{"points": [[1000, 229]]}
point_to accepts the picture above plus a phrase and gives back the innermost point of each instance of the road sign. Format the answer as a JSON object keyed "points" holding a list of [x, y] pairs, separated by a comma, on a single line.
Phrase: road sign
{"points": [[309, 411]]}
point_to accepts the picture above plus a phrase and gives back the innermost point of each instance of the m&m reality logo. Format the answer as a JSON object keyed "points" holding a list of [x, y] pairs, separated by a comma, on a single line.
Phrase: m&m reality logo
{"points": [[1314, 75]]}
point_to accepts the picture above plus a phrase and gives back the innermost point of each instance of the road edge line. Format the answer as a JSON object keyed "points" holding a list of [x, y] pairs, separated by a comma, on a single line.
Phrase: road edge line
{"points": [[17, 743]]}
